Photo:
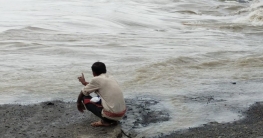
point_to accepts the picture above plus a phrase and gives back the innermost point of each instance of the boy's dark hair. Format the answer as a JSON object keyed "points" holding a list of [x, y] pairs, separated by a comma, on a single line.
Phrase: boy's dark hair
{"points": [[98, 68]]}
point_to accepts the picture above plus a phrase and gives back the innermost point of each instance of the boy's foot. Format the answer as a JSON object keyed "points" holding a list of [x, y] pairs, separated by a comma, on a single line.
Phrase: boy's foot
{"points": [[100, 124]]}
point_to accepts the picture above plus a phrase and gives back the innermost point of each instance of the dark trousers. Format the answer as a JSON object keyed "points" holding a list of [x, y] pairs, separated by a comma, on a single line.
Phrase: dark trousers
{"points": [[97, 111]]}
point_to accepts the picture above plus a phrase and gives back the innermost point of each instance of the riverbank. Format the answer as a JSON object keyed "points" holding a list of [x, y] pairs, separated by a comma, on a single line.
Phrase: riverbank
{"points": [[61, 119], [50, 119]]}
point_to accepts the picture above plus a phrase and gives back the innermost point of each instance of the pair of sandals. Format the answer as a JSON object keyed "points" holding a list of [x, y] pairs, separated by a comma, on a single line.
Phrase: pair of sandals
{"points": [[101, 123]]}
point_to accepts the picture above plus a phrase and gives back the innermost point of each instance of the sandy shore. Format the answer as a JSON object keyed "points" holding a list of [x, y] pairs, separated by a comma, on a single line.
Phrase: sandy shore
{"points": [[59, 119]]}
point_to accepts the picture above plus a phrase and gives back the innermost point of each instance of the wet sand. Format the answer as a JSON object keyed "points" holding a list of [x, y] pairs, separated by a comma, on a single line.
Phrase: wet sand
{"points": [[59, 119], [249, 127]]}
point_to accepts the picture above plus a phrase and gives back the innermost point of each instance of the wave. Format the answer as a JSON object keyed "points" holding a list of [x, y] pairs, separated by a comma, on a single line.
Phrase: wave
{"points": [[250, 62], [188, 12], [28, 29], [254, 16], [25, 33], [220, 26], [177, 71], [232, 17], [29, 33]]}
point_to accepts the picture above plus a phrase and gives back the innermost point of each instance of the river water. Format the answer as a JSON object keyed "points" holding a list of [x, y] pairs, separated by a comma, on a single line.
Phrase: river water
{"points": [[202, 59]]}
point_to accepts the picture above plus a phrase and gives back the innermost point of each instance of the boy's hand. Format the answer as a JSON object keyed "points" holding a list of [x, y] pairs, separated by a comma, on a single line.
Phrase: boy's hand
{"points": [[82, 79], [80, 107]]}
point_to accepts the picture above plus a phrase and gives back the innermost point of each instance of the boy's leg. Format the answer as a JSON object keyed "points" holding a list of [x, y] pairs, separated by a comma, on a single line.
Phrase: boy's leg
{"points": [[97, 111], [93, 108]]}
